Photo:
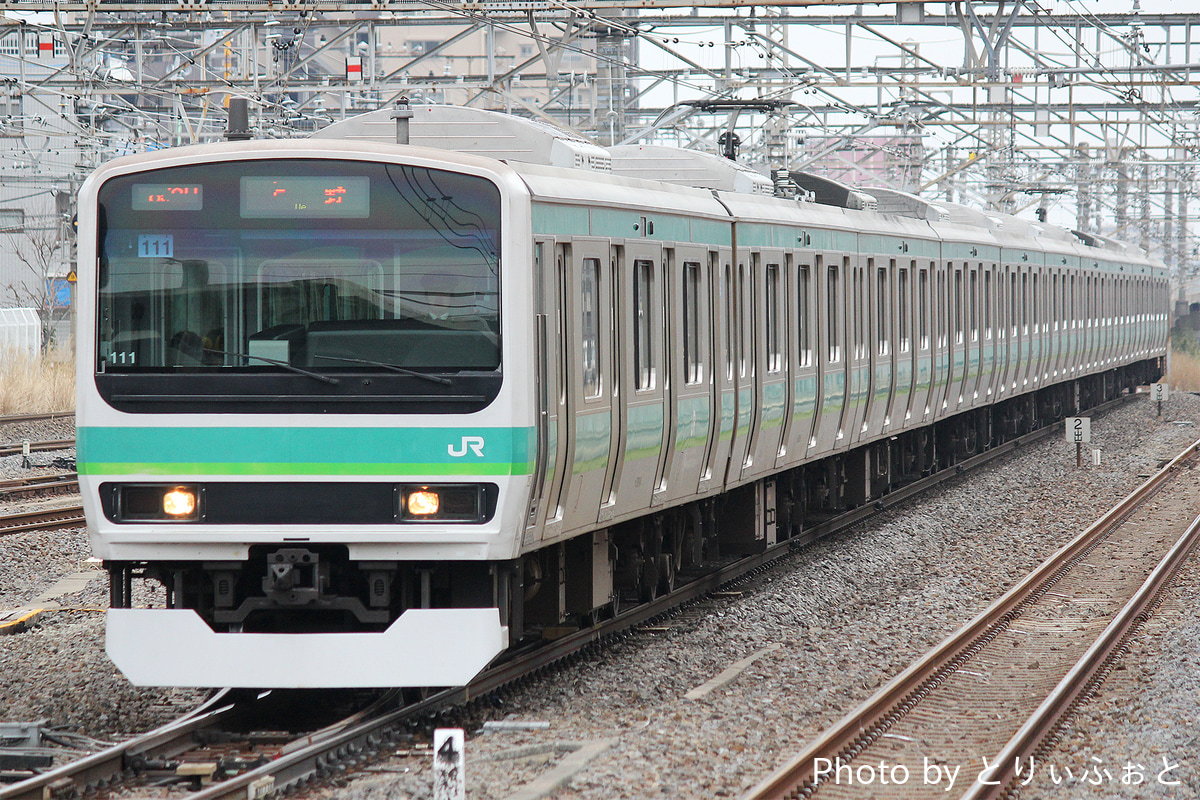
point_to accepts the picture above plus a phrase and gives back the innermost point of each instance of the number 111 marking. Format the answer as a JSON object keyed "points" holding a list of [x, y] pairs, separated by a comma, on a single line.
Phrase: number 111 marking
{"points": [[156, 245]]}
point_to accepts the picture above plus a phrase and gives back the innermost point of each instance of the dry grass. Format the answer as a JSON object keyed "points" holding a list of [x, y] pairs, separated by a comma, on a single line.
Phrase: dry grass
{"points": [[1185, 371], [30, 386]]}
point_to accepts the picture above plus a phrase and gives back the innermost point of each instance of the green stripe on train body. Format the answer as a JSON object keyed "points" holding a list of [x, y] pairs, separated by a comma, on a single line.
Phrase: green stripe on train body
{"points": [[305, 451]]}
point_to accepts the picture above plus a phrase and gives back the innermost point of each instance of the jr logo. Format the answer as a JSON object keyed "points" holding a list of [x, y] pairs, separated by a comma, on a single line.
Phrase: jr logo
{"points": [[472, 443]]}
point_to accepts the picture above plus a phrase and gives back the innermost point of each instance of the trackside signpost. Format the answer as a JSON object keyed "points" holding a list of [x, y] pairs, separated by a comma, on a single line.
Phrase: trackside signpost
{"points": [[449, 775], [1159, 392], [1079, 431]]}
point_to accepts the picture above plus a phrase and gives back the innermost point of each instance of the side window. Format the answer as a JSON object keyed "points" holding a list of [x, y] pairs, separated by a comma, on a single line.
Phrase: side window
{"points": [[987, 304], [904, 335], [691, 323], [643, 324], [1054, 301], [833, 295], [803, 347], [589, 306], [1091, 301], [1072, 306], [1037, 305], [774, 350], [973, 305], [923, 310], [1024, 299], [958, 306], [730, 322], [1012, 301], [883, 301], [742, 337], [942, 322], [860, 310]]}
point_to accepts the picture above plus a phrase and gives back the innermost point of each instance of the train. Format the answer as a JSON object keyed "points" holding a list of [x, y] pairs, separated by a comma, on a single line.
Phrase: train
{"points": [[369, 408]]}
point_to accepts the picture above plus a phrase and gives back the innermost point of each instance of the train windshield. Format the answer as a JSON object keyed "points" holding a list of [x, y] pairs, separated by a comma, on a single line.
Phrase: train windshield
{"points": [[331, 284]]}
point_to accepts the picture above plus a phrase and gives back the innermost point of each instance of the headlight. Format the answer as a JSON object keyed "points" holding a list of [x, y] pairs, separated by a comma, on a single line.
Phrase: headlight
{"points": [[442, 503], [158, 503], [180, 502], [422, 502]]}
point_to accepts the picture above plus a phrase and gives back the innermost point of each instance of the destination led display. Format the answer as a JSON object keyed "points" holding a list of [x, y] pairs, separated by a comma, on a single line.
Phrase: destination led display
{"points": [[168, 197], [286, 197]]}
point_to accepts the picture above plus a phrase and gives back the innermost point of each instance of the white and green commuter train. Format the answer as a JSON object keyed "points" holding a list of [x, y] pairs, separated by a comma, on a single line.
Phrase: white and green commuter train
{"points": [[360, 413]]}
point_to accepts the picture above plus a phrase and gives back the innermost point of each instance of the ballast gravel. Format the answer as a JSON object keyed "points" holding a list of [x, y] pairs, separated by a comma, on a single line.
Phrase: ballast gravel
{"points": [[825, 628], [56, 670]]}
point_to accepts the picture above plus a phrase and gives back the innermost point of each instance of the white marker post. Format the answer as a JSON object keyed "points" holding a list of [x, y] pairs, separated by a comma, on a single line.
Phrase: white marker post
{"points": [[449, 762], [1159, 392], [1079, 431]]}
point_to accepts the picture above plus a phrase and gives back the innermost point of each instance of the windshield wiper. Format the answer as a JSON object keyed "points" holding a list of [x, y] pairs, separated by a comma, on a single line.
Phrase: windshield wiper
{"points": [[402, 370], [276, 362]]}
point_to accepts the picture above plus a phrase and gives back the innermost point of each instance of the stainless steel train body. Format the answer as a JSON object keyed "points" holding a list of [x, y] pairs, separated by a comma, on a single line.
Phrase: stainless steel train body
{"points": [[369, 413]]}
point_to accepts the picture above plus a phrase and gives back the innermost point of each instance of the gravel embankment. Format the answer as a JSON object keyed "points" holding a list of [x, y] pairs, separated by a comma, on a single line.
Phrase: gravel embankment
{"points": [[57, 671], [846, 615]]}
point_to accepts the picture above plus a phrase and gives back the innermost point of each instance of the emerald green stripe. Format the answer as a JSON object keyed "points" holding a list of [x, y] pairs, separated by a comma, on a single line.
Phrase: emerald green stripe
{"points": [[179, 468], [305, 451]]}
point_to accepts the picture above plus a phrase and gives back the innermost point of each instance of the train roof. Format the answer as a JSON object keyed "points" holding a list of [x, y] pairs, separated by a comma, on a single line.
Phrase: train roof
{"points": [[492, 134], [526, 144], [688, 168]]}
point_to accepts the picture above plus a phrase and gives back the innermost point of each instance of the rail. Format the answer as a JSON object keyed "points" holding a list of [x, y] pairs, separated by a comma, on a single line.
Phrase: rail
{"points": [[851, 735], [42, 519]]}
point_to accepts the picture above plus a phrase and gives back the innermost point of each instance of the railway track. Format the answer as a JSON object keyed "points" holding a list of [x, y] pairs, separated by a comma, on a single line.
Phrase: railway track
{"points": [[344, 745], [16, 448], [6, 419], [42, 519], [1004, 683], [229, 734], [38, 484]]}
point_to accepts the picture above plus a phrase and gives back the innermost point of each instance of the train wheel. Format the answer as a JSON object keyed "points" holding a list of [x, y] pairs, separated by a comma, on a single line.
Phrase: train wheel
{"points": [[413, 694], [648, 585], [666, 574]]}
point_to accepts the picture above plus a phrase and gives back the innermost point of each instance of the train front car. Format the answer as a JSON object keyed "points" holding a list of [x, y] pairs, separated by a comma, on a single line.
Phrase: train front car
{"points": [[301, 374]]}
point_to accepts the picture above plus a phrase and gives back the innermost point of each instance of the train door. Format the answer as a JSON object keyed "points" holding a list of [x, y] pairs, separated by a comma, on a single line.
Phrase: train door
{"points": [[956, 308], [1116, 319], [883, 345], [1106, 297], [588, 380], [722, 327], [941, 342], [1090, 317], [744, 370], [801, 307], [1071, 302], [689, 388], [769, 361], [859, 372], [864, 334], [987, 337], [639, 407], [970, 389], [1011, 351], [1121, 310], [1038, 312], [902, 345], [923, 361], [1055, 324], [545, 516], [834, 275], [1026, 362]]}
